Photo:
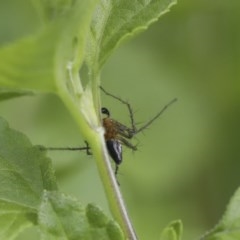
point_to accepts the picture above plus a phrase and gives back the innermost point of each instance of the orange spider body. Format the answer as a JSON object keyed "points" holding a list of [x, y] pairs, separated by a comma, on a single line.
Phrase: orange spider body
{"points": [[110, 128]]}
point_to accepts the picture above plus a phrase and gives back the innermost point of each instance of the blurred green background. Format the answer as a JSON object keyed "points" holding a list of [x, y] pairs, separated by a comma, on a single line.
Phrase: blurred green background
{"points": [[187, 166]]}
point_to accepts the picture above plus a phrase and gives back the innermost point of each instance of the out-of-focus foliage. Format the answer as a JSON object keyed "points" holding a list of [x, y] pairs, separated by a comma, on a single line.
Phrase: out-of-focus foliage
{"points": [[188, 164], [228, 227]]}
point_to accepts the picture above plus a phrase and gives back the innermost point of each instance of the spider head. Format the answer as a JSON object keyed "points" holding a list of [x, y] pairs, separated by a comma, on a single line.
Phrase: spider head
{"points": [[105, 111]]}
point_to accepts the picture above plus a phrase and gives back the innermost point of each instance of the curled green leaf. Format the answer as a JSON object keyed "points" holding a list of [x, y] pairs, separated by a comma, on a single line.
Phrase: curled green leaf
{"points": [[173, 231]]}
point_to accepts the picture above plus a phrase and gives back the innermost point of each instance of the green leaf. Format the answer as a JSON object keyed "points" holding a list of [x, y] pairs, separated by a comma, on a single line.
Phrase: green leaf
{"points": [[97, 219], [53, 9], [115, 21], [25, 173], [5, 94], [229, 227], [17, 19], [95, 216], [49, 59], [62, 217], [14, 219], [173, 231]]}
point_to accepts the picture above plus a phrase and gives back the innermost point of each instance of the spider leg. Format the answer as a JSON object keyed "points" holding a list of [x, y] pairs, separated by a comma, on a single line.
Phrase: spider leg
{"points": [[116, 173], [86, 148], [88, 152], [116, 169], [157, 116], [127, 143]]}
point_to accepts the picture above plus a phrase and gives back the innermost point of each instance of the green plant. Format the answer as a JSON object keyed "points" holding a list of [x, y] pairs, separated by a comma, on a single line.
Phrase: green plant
{"points": [[46, 57]]}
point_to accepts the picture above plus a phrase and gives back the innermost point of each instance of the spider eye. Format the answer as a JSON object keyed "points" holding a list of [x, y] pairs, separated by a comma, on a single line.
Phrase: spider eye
{"points": [[105, 111]]}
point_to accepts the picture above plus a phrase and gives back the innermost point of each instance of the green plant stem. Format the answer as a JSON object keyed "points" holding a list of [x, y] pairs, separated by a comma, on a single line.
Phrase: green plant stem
{"points": [[113, 193], [114, 196], [95, 137]]}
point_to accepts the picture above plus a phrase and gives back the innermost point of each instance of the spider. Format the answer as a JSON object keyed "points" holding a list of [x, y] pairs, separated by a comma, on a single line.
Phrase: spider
{"points": [[117, 134]]}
